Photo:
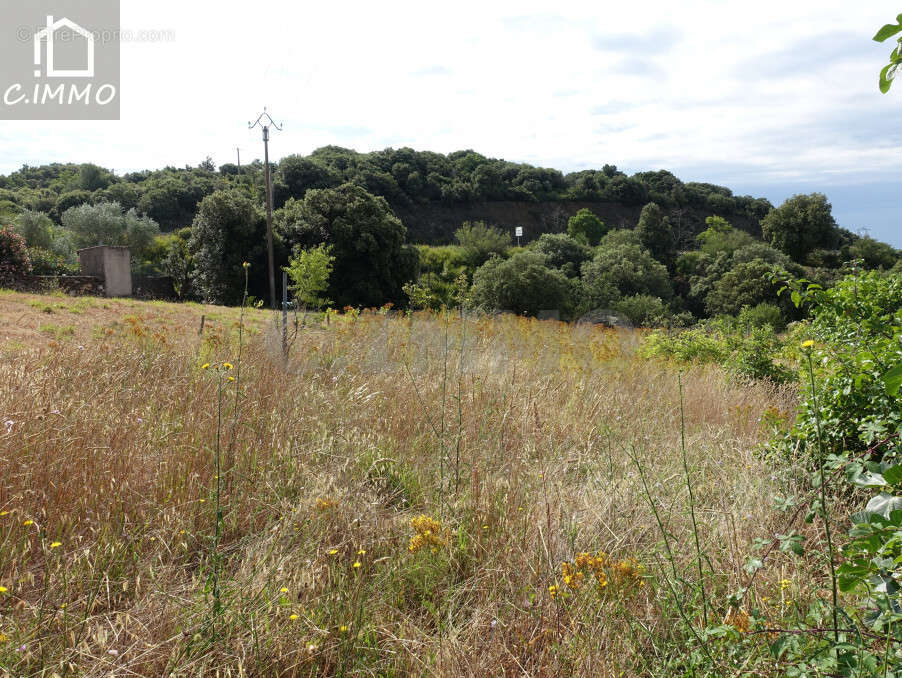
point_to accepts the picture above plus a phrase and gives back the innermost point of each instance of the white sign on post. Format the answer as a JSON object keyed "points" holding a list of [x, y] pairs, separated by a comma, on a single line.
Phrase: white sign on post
{"points": [[518, 231]]}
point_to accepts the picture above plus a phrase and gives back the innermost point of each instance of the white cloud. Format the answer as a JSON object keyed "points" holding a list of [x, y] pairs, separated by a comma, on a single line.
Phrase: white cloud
{"points": [[644, 85]]}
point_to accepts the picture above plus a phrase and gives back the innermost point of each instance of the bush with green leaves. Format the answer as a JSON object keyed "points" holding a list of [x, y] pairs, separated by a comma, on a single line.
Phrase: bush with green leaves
{"points": [[644, 310], [48, 262], [762, 315], [480, 242], [523, 284], [849, 421], [746, 284], [857, 326], [622, 268], [563, 252], [748, 352], [14, 260], [586, 228], [108, 224], [309, 270]]}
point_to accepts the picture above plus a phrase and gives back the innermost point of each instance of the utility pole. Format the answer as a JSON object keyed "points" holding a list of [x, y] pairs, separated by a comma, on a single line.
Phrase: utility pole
{"points": [[239, 164], [265, 124]]}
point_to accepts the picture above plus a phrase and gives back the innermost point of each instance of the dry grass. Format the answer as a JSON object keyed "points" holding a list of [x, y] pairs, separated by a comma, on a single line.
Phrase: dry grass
{"points": [[521, 445]]}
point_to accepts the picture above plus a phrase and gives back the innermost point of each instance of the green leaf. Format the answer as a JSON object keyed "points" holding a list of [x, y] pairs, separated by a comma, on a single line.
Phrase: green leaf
{"points": [[887, 31], [883, 504], [753, 565], [893, 380], [796, 297], [886, 77], [893, 475]]}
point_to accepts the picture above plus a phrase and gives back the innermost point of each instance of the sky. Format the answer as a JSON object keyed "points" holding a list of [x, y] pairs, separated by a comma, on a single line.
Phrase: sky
{"points": [[769, 99]]}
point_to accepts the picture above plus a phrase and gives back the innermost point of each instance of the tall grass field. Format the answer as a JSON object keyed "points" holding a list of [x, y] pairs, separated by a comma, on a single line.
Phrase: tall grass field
{"points": [[402, 495]]}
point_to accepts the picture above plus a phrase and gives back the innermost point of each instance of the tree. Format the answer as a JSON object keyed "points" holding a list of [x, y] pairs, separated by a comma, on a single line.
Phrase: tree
{"points": [[228, 230], [178, 263], [874, 253], [746, 284], [36, 228], [14, 261], [309, 270], [297, 174], [371, 261], [107, 224], [586, 227], [720, 236], [94, 178], [562, 252], [800, 225], [655, 233], [621, 268], [480, 242], [522, 284]]}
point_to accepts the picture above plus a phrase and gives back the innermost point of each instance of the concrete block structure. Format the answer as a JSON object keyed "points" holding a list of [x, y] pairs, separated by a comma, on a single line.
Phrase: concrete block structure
{"points": [[112, 265]]}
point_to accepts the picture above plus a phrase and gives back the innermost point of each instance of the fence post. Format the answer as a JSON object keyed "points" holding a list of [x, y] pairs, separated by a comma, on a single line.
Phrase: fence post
{"points": [[284, 316]]}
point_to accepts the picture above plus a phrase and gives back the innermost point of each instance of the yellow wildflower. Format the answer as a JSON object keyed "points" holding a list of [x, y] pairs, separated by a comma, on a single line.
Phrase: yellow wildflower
{"points": [[228, 366], [231, 379], [552, 590], [785, 584], [808, 343], [3, 589], [361, 552], [283, 590], [28, 522], [333, 552], [3, 638], [292, 617], [4, 513], [205, 366], [428, 533], [55, 544], [342, 629], [325, 504], [738, 619], [356, 564]]}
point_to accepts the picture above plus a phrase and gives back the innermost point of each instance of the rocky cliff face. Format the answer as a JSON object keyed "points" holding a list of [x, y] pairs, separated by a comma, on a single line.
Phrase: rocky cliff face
{"points": [[435, 223]]}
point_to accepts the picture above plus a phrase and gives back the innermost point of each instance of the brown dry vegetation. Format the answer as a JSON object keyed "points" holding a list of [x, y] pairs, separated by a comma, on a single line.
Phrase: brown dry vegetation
{"points": [[525, 444]]}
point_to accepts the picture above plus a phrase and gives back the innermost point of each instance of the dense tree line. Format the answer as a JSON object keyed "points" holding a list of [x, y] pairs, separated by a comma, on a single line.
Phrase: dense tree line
{"points": [[403, 177], [200, 224]]}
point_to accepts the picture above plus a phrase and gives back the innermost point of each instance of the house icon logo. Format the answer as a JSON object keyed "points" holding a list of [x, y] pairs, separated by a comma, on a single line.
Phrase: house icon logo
{"points": [[47, 36]]}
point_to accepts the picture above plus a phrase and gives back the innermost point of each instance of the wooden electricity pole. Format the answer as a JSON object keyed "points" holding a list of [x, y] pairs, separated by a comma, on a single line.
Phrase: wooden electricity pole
{"points": [[265, 125]]}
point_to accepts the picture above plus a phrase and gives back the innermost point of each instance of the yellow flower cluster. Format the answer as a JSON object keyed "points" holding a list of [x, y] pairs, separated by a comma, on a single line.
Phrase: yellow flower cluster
{"points": [[325, 504], [738, 619], [428, 533], [603, 569]]}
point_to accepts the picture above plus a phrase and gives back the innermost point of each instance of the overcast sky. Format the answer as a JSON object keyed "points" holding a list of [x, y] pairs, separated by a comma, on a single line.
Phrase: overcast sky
{"points": [[769, 99]]}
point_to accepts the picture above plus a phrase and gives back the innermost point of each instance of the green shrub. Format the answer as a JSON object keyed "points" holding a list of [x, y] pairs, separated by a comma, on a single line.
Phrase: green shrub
{"points": [[858, 323], [47, 262], [14, 260], [643, 310], [748, 354], [761, 315]]}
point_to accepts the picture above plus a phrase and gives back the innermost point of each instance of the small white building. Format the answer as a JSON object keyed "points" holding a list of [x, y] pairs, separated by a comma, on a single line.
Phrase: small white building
{"points": [[112, 264]]}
